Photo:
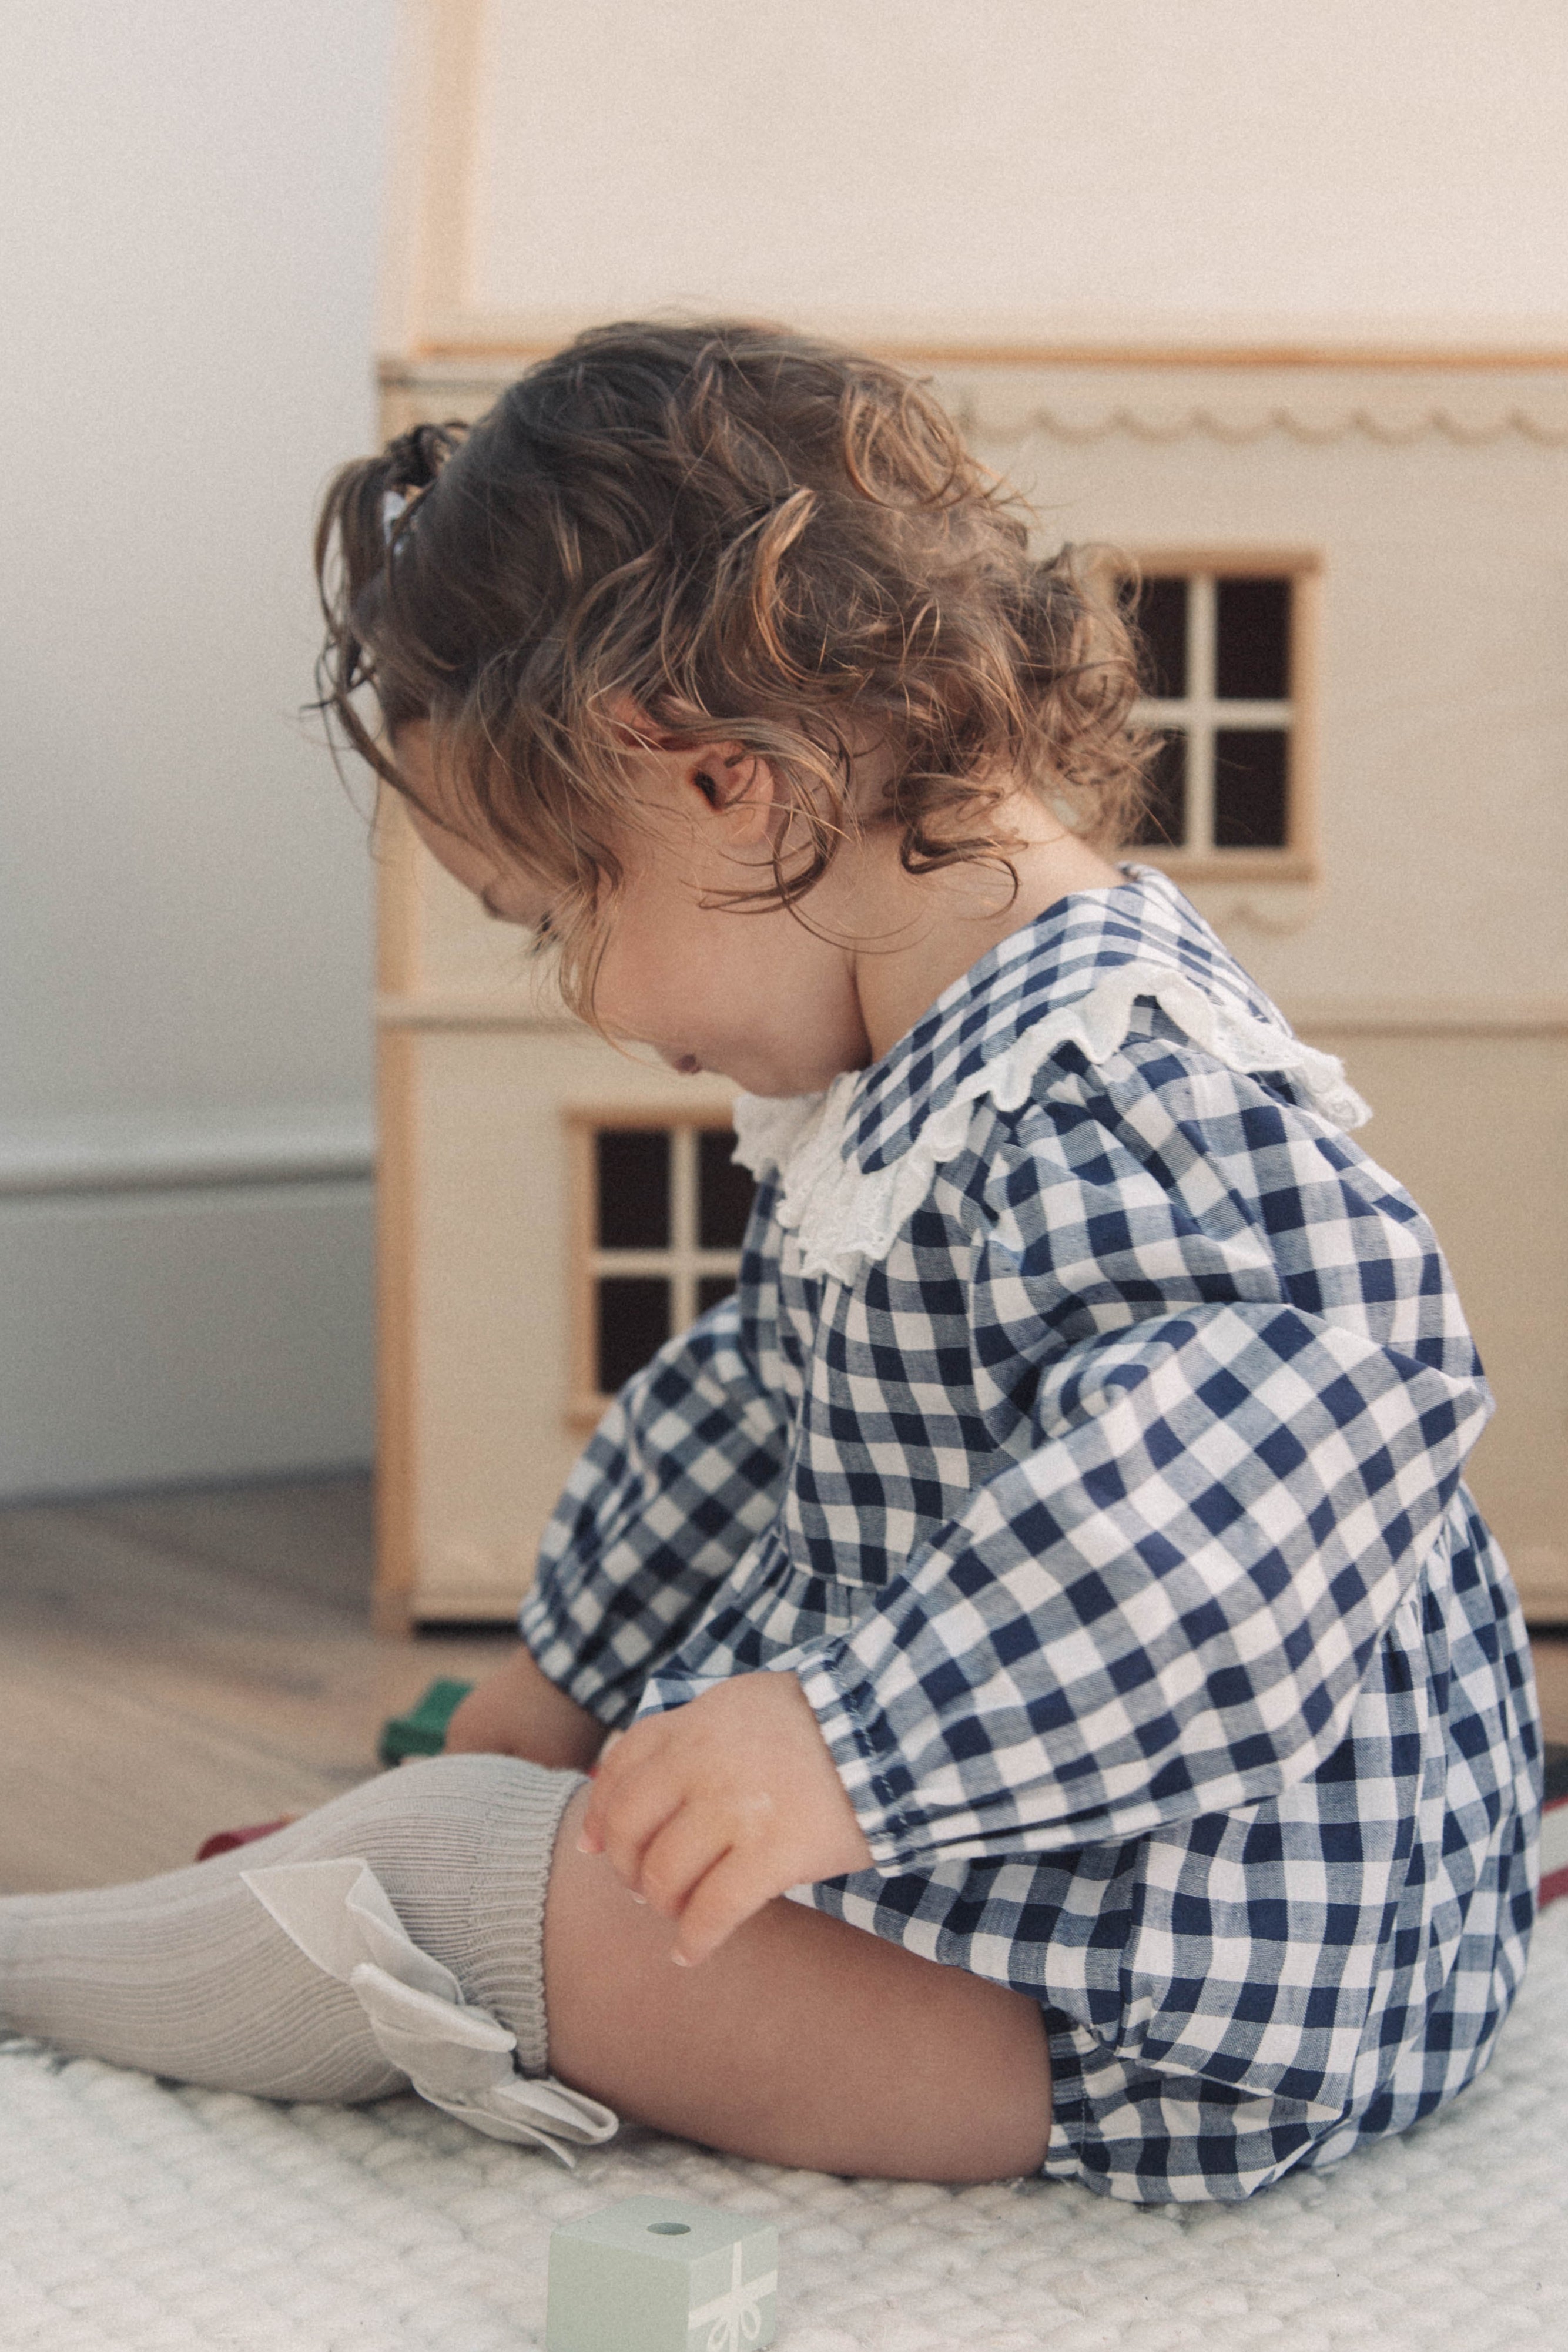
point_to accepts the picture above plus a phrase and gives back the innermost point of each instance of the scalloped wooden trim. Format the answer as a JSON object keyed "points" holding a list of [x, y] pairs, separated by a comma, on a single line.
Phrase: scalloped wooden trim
{"points": [[524, 339]]}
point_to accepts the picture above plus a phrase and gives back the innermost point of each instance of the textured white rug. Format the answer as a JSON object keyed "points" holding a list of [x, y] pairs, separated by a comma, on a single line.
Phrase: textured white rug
{"points": [[136, 2216]]}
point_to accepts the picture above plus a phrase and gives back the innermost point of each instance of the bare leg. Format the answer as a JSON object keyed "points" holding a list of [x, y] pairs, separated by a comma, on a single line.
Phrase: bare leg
{"points": [[802, 2041]]}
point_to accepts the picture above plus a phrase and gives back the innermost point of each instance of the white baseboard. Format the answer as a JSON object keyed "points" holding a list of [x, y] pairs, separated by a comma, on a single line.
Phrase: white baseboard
{"points": [[170, 1151], [182, 1301]]}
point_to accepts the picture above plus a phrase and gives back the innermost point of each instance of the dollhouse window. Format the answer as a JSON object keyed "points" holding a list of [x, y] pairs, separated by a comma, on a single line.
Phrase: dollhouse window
{"points": [[1226, 689], [663, 1211]]}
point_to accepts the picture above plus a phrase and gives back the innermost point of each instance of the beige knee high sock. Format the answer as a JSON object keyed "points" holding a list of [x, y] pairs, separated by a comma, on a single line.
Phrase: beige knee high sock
{"points": [[188, 1976]]}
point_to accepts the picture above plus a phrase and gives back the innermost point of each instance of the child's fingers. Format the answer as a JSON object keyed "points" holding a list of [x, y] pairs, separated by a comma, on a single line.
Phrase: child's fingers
{"points": [[606, 1780], [679, 1856], [633, 1812], [721, 1902]]}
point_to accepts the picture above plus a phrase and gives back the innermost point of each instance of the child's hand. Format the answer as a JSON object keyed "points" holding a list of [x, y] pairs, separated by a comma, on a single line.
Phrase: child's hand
{"points": [[709, 1811]]}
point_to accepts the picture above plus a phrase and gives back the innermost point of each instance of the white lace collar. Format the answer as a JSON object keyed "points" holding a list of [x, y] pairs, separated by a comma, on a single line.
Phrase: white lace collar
{"points": [[854, 1162]]}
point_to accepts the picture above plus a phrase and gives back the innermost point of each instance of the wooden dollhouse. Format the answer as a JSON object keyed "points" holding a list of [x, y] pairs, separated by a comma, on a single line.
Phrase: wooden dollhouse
{"points": [[1354, 584]]}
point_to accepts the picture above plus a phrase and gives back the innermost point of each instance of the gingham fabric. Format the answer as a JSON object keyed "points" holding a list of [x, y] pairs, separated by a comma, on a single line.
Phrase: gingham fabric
{"points": [[1110, 1515]]}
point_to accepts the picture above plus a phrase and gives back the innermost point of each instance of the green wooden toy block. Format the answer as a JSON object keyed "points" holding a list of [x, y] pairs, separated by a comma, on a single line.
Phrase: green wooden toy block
{"points": [[423, 1730], [657, 2275]]}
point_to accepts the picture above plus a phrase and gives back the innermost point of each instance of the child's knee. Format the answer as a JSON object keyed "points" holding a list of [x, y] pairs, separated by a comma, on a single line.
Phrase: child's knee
{"points": [[461, 1847]]}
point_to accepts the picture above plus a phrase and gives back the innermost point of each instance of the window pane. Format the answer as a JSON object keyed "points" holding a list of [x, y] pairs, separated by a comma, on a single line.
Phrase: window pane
{"points": [[633, 1187], [723, 1191], [1252, 640], [1164, 825], [1249, 770], [634, 1323], [711, 1288], [1160, 617]]}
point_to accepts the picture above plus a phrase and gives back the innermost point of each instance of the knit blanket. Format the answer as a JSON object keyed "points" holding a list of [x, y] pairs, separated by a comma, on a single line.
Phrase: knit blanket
{"points": [[137, 2215]]}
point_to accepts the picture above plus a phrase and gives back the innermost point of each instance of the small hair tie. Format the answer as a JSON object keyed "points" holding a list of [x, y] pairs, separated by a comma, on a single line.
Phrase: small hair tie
{"points": [[396, 504]]}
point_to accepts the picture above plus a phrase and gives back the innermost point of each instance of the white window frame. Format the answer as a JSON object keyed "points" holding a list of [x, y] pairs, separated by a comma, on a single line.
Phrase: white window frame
{"points": [[683, 1265], [1199, 714]]}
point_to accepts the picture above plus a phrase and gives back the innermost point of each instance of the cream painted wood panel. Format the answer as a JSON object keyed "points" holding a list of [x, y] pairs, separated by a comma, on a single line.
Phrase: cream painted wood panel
{"points": [[1477, 1126], [1441, 688], [482, 1075], [492, 1385], [933, 175]]}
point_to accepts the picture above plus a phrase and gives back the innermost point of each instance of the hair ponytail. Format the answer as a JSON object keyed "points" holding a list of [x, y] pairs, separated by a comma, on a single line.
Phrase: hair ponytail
{"points": [[365, 517]]}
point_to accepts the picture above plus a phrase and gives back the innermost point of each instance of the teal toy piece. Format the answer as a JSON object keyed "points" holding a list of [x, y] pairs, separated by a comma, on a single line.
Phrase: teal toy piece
{"points": [[423, 1730], [657, 2275]]}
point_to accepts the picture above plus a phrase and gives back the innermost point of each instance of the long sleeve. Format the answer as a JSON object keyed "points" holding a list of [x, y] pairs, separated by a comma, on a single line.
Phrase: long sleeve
{"points": [[683, 1473], [1251, 1405]]}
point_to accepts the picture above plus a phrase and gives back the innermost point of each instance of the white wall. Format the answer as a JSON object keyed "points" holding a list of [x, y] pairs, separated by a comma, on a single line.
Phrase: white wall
{"points": [[189, 200]]}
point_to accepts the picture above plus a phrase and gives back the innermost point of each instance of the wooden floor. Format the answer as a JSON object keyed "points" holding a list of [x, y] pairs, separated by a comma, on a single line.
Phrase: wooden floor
{"points": [[175, 1665]]}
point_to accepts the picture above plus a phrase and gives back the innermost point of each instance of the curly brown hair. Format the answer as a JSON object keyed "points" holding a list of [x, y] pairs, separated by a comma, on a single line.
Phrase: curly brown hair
{"points": [[749, 536]]}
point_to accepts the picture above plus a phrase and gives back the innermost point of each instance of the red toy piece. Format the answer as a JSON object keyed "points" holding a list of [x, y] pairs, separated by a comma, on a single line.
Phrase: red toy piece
{"points": [[225, 1840]]}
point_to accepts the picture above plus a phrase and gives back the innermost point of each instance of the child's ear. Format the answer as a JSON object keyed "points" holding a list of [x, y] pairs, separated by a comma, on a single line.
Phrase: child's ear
{"points": [[737, 786]]}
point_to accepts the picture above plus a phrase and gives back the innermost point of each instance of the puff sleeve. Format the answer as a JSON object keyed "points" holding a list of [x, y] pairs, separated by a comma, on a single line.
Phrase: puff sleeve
{"points": [[685, 1470]]}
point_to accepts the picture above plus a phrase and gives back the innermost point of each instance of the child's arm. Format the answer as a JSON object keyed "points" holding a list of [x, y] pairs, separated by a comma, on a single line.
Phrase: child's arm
{"points": [[517, 1712], [685, 1471]]}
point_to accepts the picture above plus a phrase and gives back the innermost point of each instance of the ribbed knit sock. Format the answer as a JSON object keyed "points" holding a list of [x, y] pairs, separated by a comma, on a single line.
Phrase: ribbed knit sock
{"points": [[189, 1975]]}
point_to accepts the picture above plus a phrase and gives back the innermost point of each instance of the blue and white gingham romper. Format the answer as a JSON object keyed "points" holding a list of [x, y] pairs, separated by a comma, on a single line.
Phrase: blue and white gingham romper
{"points": [[1087, 1434]]}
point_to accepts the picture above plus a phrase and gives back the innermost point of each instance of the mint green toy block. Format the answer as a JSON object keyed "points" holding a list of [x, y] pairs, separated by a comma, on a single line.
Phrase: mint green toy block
{"points": [[422, 1730], [656, 2275]]}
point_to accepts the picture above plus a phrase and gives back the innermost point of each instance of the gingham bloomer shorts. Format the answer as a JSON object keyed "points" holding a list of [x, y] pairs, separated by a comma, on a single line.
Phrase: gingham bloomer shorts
{"points": [[1087, 1434]]}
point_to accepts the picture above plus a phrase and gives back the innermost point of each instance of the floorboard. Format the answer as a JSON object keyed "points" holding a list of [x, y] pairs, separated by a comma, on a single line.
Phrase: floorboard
{"points": [[177, 1664]]}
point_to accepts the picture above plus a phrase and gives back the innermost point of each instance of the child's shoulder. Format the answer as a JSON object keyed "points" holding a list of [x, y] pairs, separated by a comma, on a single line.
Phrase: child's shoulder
{"points": [[1138, 989]]}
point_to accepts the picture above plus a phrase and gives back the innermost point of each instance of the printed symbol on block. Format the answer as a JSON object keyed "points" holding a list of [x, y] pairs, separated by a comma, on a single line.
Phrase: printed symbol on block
{"points": [[657, 2275], [736, 2315]]}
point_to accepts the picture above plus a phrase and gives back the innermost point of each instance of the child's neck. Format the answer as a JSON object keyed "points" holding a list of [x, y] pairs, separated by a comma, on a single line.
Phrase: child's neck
{"points": [[919, 933]]}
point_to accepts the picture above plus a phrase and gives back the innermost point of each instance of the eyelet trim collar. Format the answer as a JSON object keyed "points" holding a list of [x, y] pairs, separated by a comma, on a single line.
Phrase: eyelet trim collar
{"points": [[856, 1163]]}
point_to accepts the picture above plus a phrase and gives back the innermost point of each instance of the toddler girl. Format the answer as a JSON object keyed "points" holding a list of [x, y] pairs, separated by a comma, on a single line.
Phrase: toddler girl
{"points": [[1070, 1714]]}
